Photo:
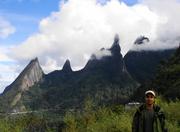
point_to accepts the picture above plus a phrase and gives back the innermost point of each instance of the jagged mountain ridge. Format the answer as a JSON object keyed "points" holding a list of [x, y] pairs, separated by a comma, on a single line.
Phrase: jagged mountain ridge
{"points": [[104, 80]]}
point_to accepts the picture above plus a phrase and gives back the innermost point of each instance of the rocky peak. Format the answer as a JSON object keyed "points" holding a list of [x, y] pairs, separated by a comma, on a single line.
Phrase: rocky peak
{"points": [[32, 74], [141, 40], [115, 48], [67, 66]]}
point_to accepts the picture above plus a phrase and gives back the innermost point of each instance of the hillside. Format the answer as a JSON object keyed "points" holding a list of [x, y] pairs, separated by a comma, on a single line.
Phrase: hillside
{"points": [[167, 80]]}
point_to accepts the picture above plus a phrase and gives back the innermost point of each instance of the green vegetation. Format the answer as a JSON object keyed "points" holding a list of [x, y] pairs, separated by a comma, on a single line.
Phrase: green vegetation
{"points": [[32, 122], [115, 118], [167, 80], [91, 118]]}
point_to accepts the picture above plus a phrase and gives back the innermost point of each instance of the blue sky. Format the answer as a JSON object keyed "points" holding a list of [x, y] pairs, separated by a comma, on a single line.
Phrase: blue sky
{"points": [[25, 15]]}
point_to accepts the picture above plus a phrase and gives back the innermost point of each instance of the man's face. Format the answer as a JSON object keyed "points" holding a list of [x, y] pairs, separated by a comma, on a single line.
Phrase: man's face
{"points": [[149, 99]]}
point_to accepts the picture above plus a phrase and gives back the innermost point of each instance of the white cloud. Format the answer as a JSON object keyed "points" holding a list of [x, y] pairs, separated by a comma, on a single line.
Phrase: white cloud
{"points": [[101, 53], [3, 84], [4, 50], [8, 74], [5, 28], [82, 27], [8, 68], [168, 33]]}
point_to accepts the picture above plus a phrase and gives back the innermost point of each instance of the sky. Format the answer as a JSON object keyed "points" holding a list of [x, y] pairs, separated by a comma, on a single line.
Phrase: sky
{"points": [[56, 30]]}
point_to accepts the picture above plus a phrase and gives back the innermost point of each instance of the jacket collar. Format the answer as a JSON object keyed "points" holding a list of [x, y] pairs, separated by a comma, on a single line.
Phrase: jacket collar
{"points": [[155, 107]]}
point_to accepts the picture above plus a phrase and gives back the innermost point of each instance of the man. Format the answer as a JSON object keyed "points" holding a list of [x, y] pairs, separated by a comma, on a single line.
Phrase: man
{"points": [[149, 117]]}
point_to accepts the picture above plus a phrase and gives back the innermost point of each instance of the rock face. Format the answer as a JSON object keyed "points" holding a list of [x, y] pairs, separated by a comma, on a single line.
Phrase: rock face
{"points": [[30, 76]]}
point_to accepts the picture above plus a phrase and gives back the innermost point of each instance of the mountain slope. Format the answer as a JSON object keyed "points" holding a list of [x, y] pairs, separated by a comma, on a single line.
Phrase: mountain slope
{"points": [[167, 80], [31, 75], [142, 65]]}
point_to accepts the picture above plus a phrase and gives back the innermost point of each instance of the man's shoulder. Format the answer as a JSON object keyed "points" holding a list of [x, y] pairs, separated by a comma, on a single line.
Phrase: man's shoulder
{"points": [[141, 108], [157, 108]]}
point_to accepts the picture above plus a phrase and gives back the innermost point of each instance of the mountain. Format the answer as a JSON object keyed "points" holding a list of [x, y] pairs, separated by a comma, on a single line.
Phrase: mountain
{"points": [[105, 80], [31, 75], [167, 80], [142, 64]]}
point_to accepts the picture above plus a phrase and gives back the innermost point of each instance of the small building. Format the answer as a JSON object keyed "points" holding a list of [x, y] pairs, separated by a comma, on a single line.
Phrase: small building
{"points": [[131, 105]]}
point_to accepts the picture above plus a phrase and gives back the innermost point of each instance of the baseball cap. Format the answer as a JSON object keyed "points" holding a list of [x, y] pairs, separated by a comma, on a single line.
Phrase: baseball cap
{"points": [[150, 92]]}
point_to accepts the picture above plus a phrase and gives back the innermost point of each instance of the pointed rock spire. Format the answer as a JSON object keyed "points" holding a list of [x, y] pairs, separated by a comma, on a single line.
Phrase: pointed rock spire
{"points": [[115, 48], [67, 66], [31, 75], [141, 40]]}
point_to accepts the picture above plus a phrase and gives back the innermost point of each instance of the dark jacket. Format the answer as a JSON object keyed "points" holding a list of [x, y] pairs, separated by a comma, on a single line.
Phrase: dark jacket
{"points": [[158, 123]]}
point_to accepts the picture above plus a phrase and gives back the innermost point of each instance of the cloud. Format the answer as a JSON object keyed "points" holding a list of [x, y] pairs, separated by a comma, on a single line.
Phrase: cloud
{"points": [[4, 54], [8, 74], [101, 53], [168, 33], [82, 27], [8, 68], [169, 9], [3, 84], [5, 28]]}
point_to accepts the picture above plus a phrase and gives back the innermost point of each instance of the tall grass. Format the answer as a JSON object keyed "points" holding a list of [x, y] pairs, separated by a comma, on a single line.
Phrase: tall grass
{"points": [[116, 118], [91, 118]]}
